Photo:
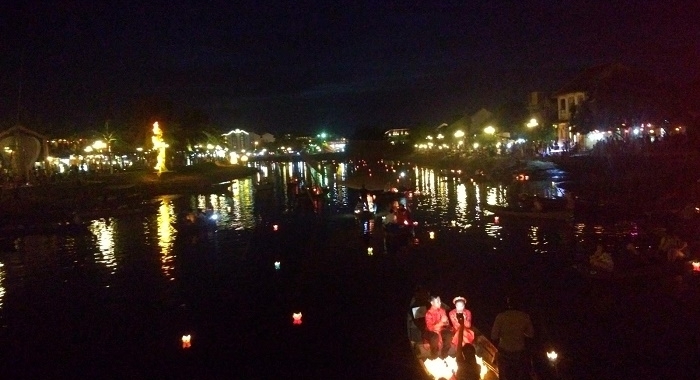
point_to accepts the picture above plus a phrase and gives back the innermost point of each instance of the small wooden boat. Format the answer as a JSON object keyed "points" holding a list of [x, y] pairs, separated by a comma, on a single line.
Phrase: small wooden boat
{"points": [[62, 228], [485, 350], [514, 213], [646, 271]]}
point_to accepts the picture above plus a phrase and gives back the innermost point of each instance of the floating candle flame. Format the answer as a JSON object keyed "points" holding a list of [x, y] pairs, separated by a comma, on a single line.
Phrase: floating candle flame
{"points": [[296, 318], [186, 341]]}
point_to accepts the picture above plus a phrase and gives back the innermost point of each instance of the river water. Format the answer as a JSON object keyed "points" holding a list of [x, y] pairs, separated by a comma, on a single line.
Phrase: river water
{"points": [[117, 300]]}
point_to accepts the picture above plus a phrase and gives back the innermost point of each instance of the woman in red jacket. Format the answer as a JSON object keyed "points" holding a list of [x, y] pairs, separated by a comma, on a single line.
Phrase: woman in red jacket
{"points": [[460, 316]]}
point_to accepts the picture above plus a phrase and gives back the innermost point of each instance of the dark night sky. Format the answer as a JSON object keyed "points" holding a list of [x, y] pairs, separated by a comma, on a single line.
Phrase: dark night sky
{"points": [[307, 65]]}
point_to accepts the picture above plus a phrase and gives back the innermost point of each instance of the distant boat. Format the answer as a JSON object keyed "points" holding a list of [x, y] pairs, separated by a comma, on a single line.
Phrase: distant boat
{"points": [[513, 213], [264, 184]]}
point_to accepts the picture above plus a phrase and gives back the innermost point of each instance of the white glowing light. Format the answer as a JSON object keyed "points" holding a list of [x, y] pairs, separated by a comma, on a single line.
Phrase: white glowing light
{"points": [[277, 265], [552, 356], [186, 341]]}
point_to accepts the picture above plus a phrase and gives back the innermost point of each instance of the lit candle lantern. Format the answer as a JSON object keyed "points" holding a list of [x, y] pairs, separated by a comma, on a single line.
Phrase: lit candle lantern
{"points": [[296, 318], [370, 251], [432, 234], [495, 220], [454, 223], [275, 227], [552, 356], [186, 341], [696, 266], [277, 265]]}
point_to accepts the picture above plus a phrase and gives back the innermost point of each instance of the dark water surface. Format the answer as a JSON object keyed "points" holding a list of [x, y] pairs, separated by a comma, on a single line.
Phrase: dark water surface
{"points": [[115, 302]]}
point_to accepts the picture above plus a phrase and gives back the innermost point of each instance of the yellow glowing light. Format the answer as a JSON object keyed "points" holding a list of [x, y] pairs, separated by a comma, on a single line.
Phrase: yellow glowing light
{"points": [[532, 123], [159, 145], [370, 251], [489, 130], [99, 144], [475, 145], [88, 149], [244, 158], [551, 355], [441, 368], [432, 234], [459, 134]]}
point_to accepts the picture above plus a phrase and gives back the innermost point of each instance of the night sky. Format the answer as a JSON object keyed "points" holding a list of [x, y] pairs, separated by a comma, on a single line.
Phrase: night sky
{"points": [[310, 65]]}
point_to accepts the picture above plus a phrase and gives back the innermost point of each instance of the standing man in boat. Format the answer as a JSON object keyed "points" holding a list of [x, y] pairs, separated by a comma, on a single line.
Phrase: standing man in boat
{"points": [[510, 329], [437, 330]]}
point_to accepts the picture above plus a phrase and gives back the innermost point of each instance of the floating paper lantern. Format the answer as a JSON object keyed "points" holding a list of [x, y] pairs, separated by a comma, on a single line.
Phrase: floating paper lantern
{"points": [[495, 220], [296, 318], [277, 265], [370, 251], [431, 234], [186, 341], [275, 227], [696, 266], [552, 356]]}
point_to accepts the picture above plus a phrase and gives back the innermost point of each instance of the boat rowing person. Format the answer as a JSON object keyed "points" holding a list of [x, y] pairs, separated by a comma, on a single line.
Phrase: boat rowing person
{"points": [[510, 329], [437, 329]]}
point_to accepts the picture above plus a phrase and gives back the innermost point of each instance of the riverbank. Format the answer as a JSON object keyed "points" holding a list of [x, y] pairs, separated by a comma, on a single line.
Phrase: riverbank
{"points": [[637, 183], [58, 199]]}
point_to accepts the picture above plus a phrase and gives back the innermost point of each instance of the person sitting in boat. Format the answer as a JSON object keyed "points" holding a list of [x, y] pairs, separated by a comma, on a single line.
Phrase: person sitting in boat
{"points": [[403, 217], [537, 205], [468, 369], [437, 329], [460, 318], [672, 247], [601, 260]]}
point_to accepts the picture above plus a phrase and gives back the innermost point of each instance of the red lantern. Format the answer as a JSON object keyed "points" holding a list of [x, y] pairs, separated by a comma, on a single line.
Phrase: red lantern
{"points": [[296, 318]]}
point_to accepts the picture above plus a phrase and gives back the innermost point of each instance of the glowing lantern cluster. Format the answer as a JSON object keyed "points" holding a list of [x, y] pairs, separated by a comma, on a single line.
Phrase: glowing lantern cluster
{"points": [[441, 368], [186, 341], [447, 368], [296, 318]]}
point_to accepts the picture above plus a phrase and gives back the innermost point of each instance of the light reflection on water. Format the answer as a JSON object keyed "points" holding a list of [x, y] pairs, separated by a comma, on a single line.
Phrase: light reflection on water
{"points": [[103, 229], [166, 237], [2, 285]]}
